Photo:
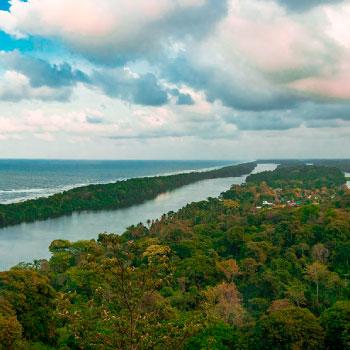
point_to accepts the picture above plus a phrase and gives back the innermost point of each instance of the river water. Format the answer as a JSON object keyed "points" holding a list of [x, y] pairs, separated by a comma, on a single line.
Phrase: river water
{"points": [[30, 241], [23, 179], [348, 182]]}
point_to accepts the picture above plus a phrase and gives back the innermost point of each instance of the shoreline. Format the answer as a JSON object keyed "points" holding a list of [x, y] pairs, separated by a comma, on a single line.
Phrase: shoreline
{"points": [[120, 194], [47, 192], [30, 241]]}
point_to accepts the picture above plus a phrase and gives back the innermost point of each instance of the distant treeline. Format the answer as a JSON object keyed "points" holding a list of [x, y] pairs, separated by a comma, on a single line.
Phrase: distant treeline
{"points": [[302, 176], [120, 194], [342, 164], [219, 274]]}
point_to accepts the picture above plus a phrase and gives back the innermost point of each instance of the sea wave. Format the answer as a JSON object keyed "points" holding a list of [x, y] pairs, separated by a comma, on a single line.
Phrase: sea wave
{"points": [[8, 196], [23, 194], [23, 190]]}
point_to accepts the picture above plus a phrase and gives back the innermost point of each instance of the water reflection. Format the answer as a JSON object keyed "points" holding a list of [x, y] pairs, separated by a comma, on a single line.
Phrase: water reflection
{"points": [[26, 242]]}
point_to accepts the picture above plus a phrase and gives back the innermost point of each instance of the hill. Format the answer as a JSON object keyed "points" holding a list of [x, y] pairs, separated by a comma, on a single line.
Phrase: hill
{"points": [[221, 274]]}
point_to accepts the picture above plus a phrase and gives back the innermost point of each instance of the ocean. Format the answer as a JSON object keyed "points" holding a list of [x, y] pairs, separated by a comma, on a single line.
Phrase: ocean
{"points": [[29, 241], [22, 179]]}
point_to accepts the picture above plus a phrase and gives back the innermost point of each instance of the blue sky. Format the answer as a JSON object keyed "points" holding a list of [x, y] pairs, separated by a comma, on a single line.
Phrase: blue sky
{"points": [[9, 44], [154, 79], [4, 5]]}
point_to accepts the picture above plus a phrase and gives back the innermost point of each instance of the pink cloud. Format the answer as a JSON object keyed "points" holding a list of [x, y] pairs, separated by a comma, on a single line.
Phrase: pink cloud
{"points": [[333, 83], [338, 87], [111, 25]]}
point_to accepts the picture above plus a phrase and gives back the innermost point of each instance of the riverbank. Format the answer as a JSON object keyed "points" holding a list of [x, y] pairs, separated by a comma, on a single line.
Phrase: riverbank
{"points": [[25, 179], [181, 271], [121, 194], [29, 241]]}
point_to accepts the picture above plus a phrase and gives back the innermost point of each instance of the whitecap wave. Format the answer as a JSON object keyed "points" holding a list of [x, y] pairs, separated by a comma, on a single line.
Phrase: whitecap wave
{"points": [[23, 190], [23, 194], [8, 196]]}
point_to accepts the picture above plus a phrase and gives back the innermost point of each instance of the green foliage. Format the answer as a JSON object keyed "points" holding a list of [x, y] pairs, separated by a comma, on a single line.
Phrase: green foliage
{"points": [[289, 329], [10, 332], [342, 164], [32, 299], [218, 274], [336, 322], [116, 195], [302, 176], [218, 336]]}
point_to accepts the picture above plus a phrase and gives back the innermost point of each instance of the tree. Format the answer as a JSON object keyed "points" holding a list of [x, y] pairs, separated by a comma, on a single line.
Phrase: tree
{"points": [[133, 293], [180, 283], [320, 253], [229, 268], [320, 275], [295, 292], [224, 302], [216, 336], [289, 329], [336, 322], [10, 332], [279, 304], [32, 300], [341, 258], [125, 311], [309, 212]]}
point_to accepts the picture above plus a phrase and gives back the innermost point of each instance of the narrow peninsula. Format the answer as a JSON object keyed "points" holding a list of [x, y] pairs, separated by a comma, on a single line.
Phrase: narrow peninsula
{"points": [[120, 194], [264, 266]]}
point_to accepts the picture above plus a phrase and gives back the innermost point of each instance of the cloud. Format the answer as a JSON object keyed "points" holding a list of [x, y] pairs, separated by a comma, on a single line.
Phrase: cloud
{"points": [[315, 123], [263, 121], [240, 88], [184, 99], [288, 62], [241, 71], [308, 114], [94, 119], [113, 32], [15, 87], [27, 77], [48, 126], [304, 5], [324, 111], [44, 136], [40, 72], [147, 91], [139, 89], [294, 59], [30, 77]]}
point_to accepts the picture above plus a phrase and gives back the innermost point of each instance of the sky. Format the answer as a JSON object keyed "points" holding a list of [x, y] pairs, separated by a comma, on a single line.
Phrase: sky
{"points": [[174, 79]]}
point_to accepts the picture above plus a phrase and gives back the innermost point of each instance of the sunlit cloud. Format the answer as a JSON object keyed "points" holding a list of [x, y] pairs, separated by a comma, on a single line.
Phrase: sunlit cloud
{"points": [[188, 72]]}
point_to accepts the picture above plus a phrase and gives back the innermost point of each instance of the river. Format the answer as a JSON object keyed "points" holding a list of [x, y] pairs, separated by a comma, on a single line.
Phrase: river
{"points": [[30, 241], [348, 182]]}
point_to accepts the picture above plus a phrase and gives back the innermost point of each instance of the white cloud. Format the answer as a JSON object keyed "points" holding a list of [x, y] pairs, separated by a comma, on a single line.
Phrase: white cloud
{"points": [[44, 136], [15, 86], [257, 74], [123, 28]]}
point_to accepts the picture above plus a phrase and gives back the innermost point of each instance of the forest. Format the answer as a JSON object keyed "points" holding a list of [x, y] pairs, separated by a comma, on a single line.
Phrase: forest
{"points": [[226, 273], [120, 194], [342, 164], [300, 176]]}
